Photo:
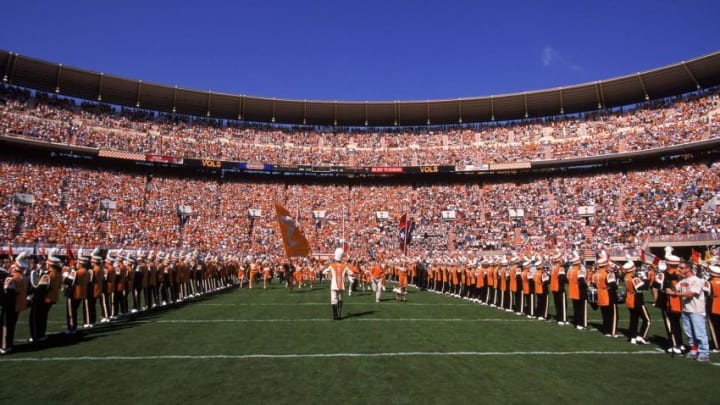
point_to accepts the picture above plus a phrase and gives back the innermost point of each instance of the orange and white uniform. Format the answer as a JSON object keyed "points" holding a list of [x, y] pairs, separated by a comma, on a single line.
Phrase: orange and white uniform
{"points": [[338, 272]]}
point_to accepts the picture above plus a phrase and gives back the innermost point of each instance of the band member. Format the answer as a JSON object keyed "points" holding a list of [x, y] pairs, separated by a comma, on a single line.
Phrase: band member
{"points": [[254, 271], [481, 282], [515, 285], [266, 273], [164, 278], [527, 303], [151, 287], [242, 268], [15, 289], [577, 288], [95, 288], [76, 281], [558, 281], [289, 276], [37, 294], [670, 307], [337, 271], [504, 293], [54, 275], [377, 274], [353, 277], [606, 283], [635, 284], [139, 281], [120, 268], [490, 281], [713, 310], [107, 303], [403, 278], [542, 281]]}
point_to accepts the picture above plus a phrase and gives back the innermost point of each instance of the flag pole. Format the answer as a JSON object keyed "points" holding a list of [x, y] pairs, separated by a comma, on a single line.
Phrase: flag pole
{"points": [[407, 230]]}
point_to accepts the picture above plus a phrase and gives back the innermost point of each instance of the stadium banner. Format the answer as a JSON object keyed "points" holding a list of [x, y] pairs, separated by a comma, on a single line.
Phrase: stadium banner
{"points": [[121, 155], [472, 168], [164, 159], [285, 168], [386, 169], [206, 163], [255, 166], [430, 169], [510, 166]]}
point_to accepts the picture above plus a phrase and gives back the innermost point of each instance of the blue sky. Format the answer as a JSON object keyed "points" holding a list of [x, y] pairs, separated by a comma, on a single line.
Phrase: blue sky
{"points": [[363, 50]]}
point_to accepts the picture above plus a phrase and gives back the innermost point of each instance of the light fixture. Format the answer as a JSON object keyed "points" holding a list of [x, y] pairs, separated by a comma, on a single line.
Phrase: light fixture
{"points": [[562, 110], [57, 89], [99, 97]]}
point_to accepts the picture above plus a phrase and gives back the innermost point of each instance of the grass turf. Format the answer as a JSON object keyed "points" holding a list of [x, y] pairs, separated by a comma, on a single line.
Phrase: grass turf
{"points": [[271, 346]]}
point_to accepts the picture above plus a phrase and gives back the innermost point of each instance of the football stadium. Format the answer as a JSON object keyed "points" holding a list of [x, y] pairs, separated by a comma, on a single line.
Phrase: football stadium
{"points": [[169, 245]]}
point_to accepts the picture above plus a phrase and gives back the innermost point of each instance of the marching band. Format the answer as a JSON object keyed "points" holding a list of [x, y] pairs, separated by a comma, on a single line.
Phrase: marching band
{"points": [[523, 285]]}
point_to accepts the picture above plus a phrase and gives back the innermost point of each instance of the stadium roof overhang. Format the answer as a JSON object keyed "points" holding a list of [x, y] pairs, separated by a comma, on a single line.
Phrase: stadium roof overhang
{"points": [[679, 78]]}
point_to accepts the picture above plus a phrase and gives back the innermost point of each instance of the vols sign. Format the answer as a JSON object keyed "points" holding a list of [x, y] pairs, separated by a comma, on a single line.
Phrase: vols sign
{"points": [[294, 240]]}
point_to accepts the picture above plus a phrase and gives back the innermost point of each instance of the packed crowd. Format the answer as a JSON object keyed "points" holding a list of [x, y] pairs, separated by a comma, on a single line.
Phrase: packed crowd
{"points": [[628, 207], [654, 124]]}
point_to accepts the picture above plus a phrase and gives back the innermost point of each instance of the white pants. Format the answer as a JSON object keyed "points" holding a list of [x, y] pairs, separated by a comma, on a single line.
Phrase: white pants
{"points": [[335, 296], [377, 287], [351, 281]]}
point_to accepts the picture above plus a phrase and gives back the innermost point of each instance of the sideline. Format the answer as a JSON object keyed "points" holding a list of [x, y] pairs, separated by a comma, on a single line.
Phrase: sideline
{"points": [[329, 355]]}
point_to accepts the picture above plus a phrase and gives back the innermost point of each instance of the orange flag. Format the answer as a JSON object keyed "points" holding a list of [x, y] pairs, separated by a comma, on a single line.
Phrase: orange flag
{"points": [[294, 240], [695, 256]]}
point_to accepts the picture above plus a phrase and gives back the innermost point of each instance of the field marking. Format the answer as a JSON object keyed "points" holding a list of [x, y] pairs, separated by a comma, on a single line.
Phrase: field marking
{"points": [[328, 355], [301, 304], [327, 320]]}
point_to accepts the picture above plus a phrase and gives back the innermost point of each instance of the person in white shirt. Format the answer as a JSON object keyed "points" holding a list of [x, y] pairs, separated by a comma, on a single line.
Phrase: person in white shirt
{"points": [[690, 289]]}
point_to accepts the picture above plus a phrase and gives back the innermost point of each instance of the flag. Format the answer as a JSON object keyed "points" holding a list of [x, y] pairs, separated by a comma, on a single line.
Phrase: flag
{"points": [[405, 228], [294, 240], [649, 258], [695, 256], [70, 255]]}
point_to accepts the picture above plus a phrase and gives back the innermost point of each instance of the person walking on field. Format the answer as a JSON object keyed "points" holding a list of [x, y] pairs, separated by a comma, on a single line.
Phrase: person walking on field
{"points": [[338, 271]]}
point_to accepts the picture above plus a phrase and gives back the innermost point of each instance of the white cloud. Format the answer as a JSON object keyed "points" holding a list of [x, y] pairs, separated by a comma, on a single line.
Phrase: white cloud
{"points": [[552, 57]]}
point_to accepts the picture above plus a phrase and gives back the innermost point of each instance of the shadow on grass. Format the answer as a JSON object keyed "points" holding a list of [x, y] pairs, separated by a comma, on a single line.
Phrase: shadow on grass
{"points": [[358, 314], [61, 339]]}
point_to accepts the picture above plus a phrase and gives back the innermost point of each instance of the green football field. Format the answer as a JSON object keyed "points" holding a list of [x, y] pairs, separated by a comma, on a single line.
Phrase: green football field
{"points": [[275, 347]]}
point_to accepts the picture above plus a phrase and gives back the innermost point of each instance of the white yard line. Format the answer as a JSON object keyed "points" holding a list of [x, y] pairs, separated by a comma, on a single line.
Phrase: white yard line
{"points": [[331, 355]]}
